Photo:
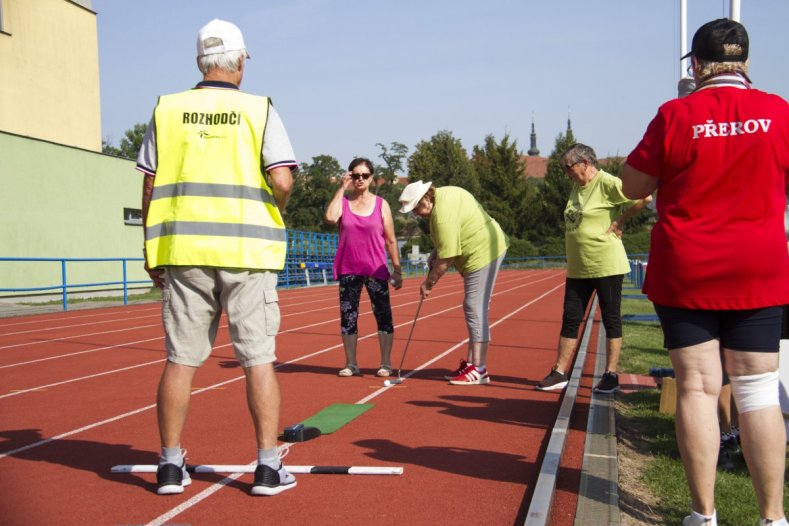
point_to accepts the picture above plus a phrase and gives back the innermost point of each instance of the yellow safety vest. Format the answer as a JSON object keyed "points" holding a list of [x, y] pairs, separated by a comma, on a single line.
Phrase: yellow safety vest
{"points": [[211, 205]]}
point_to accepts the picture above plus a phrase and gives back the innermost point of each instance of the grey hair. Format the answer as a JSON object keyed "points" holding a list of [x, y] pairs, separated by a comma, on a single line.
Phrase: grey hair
{"points": [[229, 61], [708, 68], [579, 152]]}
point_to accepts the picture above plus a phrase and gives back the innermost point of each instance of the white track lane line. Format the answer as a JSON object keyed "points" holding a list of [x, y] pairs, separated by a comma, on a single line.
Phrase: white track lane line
{"points": [[204, 389], [191, 502], [448, 351], [103, 422], [333, 299], [231, 380], [60, 316], [64, 382], [55, 328], [66, 338], [88, 377], [124, 344], [124, 316], [76, 353], [34, 389], [156, 309]]}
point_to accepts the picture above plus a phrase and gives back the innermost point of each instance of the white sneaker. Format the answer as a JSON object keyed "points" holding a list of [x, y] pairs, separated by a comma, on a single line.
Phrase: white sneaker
{"points": [[697, 519], [777, 522]]}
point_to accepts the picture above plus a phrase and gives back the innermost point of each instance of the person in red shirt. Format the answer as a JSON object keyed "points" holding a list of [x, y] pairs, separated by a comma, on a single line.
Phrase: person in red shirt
{"points": [[718, 269]]}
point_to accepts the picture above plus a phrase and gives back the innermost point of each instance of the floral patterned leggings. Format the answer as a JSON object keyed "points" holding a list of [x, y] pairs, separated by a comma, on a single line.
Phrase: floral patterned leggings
{"points": [[350, 293]]}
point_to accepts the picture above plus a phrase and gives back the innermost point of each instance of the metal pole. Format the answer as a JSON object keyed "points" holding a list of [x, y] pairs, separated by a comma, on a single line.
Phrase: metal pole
{"points": [[734, 10], [683, 38], [63, 280], [125, 285]]}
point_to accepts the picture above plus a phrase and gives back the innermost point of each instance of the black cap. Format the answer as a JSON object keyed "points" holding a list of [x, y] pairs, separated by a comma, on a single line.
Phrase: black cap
{"points": [[711, 42]]}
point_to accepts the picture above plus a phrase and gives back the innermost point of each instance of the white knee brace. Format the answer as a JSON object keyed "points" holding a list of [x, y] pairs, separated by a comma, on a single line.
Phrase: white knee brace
{"points": [[756, 391]]}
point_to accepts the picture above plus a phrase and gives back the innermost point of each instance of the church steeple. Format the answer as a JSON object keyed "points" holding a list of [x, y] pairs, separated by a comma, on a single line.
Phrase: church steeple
{"points": [[533, 151]]}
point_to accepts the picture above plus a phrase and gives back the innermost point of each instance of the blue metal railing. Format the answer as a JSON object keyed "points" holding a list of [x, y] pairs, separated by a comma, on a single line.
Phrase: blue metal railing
{"points": [[310, 258], [305, 247], [301, 246], [638, 269], [534, 262], [64, 286]]}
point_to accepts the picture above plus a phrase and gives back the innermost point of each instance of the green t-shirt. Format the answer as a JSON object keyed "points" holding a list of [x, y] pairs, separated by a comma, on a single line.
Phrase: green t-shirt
{"points": [[590, 210], [461, 230]]}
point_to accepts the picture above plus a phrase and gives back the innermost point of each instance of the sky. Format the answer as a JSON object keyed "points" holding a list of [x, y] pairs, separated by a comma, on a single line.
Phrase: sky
{"points": [[345, 75]]}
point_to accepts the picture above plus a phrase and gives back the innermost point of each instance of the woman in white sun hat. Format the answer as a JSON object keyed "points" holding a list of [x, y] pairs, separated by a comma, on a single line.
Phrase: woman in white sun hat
{"points": [[463, 235]]}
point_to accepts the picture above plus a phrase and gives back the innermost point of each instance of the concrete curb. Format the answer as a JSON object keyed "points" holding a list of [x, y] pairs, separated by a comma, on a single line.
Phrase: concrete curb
{"points": [[598, 493]]}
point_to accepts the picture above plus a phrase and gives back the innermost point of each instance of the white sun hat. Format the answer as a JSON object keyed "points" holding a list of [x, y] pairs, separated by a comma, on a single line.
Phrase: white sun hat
{"points": [[412, 194]]}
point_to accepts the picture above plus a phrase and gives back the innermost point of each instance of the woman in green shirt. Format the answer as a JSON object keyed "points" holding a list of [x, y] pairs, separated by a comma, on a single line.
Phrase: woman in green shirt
{"points": [[596, 261], [463, 235]]}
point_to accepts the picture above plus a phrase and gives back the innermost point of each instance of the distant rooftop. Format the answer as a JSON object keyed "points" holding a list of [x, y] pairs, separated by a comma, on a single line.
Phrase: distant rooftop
{"points": [[535, 167]]}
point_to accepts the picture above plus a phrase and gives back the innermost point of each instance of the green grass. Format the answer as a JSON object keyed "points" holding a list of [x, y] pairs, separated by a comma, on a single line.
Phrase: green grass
{"points": [[649, 432], [641, 427], [642, 340]]}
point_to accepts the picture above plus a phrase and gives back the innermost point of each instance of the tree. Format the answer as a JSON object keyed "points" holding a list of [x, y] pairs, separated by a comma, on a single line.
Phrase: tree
{"points": [[130, 143], [109, 149], [505, 194], [553, 196], [520, 248], [314, 185], [387, 181], [641, 220], [444, 161], [393, 158]]}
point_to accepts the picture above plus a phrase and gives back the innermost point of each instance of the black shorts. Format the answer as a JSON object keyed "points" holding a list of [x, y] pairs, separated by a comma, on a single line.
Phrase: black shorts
{"points": [[756, 330]]}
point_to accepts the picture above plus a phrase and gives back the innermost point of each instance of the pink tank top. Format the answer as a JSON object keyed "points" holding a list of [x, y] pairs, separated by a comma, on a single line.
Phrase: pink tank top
{"points": [[362, 247]]}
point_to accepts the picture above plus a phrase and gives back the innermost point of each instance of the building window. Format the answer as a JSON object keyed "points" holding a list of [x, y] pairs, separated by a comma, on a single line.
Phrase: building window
{"points": [[132, 216]]}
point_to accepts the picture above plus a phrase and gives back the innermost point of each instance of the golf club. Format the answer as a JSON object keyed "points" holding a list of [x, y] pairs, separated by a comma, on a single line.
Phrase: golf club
{"points": [[399, 380]]}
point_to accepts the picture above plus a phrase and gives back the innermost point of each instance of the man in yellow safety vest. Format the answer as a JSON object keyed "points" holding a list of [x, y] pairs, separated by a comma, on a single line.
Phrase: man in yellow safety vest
{"points": [[217, 175]]}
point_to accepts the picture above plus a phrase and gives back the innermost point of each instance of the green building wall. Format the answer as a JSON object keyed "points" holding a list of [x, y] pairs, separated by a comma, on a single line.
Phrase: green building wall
{"points": [[64, 202]]}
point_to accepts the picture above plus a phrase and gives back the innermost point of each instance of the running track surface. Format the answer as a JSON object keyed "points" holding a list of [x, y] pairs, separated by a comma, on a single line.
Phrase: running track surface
{"points": [[77, 396]]}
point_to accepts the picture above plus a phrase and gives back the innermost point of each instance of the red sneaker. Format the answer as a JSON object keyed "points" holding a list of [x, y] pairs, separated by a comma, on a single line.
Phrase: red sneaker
{"points": [[463, 365], [470, 376]]}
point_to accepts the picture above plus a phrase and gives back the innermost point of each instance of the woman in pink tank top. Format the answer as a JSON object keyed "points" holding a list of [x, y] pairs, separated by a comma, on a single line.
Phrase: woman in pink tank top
{"points": [[366, 235]]}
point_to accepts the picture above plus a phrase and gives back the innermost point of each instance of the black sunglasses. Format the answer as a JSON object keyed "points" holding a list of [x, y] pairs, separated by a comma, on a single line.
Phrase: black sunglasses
{"points": [[356, 177]]}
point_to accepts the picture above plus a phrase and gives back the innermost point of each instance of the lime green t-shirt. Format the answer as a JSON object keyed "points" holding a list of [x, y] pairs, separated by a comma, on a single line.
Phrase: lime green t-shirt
{"points": [[590, 210], [461, 230]]}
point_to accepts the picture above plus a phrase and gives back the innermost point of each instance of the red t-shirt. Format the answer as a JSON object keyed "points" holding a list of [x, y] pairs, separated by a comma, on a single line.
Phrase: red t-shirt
{"points": [[722, 157]]}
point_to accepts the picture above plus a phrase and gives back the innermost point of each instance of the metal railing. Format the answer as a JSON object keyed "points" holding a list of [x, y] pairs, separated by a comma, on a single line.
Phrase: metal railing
{"points": [[301, 246], [64, 286], [638, 269], [309, 260]]}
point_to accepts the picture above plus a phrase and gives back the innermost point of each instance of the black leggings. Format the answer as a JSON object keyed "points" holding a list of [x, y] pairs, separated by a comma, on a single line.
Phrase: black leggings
{"points": [[350, 293], [578, 292]]}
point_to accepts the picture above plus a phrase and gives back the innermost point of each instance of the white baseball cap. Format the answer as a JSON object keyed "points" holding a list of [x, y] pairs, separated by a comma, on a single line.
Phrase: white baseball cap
{"points": [[412, 194], [219, 36]]}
